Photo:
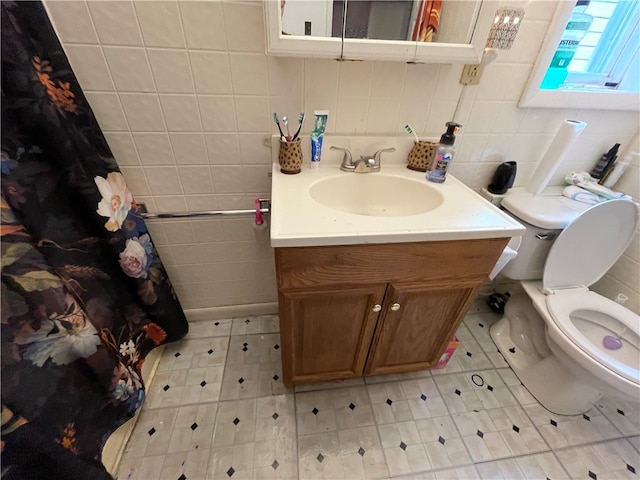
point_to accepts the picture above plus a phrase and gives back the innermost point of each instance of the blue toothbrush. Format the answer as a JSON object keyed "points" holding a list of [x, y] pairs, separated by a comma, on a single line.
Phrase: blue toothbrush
{"points": [[300, 120], [277, 120]]}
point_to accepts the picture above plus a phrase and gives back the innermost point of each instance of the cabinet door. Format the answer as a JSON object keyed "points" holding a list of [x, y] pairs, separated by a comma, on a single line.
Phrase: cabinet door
{"points": [[326, 333], [417, 324]]}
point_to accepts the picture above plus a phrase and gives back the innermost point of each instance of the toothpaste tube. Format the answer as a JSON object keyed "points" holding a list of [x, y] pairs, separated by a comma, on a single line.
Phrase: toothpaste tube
{"points": [[317, 135]]}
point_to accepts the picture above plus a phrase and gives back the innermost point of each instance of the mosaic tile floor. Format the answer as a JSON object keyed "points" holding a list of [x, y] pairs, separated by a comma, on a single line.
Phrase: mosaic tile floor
{"points": [[217, 409]]}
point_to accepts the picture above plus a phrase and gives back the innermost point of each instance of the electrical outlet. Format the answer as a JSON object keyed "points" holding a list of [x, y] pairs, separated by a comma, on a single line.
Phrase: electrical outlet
{"points": [[471, 74], [307, 28]]}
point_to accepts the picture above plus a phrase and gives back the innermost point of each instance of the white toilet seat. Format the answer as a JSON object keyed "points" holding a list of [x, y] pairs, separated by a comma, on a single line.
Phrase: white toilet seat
{"points": [[562, 329], [575, 321]]}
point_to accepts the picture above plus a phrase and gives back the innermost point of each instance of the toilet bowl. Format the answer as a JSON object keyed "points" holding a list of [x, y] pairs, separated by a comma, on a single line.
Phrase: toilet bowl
{"points": [[567, 344]]}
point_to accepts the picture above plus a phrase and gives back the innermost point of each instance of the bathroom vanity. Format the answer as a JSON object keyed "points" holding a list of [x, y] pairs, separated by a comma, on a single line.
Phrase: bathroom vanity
{"points": [[349, 311], [369, 285]]}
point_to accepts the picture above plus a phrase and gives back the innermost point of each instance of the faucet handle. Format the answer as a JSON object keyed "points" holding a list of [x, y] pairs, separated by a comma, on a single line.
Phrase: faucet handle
{"points": [[347, 160], [376, 156]]}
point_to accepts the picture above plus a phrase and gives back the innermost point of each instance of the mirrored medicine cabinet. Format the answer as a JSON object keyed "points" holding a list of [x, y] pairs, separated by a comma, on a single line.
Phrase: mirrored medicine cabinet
{"points": [[454, 31]]}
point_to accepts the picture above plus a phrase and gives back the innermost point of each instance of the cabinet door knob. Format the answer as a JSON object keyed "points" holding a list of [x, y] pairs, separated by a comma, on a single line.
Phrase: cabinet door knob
{"points": [[376, 308], [395, 307]]}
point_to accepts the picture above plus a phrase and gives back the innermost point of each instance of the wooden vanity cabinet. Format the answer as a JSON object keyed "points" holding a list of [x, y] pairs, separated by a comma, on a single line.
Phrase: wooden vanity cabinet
{"points": [[354, 310], [414, 336]]}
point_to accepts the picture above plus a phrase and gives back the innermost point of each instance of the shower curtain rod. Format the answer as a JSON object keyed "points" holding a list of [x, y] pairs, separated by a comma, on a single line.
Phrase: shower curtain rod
{"points": [[265, 206]]}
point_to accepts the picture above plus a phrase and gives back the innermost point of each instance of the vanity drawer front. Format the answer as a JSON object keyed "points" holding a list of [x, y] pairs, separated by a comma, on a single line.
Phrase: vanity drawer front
{"points": [[303, 267]]}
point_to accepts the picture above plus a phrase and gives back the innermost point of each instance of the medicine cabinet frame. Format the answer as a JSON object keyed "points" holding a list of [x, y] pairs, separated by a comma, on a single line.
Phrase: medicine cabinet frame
{"points": [[596, 99], [385, 50]]}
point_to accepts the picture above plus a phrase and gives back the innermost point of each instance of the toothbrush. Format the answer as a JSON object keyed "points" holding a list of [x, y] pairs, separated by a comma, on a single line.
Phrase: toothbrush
{"points": [[408, 128], [285, 120], [300, 120], [275, 118]]}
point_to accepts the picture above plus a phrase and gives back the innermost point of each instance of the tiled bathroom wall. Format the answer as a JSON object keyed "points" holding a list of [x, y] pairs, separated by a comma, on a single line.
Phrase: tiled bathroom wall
{"points": [[184, 92]]}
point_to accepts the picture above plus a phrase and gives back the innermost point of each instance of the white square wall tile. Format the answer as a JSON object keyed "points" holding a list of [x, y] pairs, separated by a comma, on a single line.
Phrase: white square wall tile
{"points": [[448, 85], [136, 180], [90, 66], [253, 149], [106, 107], [249, 73], [256, 178], [218, 113], [508, 118], [196, 179], [181, 113], [160, 23], [123, 148], [320, 89], [154, 148], [143, 112], [163, 180], [352, 114], [228, 179], [171, 70], [115, 22], [188, 148], [202, 202], [285, 76], [211, 72], [223, 148], [536, 120], [527, 44], [355, 78], [129, 68], [253, 114], [388, 79], [438, 112], [482, 117], [245, 26], [179, 232], [204, 25], [420, 82], [494, 79], [171, 203], [208, 231], [382, 117], [71, 21]]}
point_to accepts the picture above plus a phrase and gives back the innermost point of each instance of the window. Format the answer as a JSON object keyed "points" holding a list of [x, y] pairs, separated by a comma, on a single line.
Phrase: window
{"points": [[603, 57], [599, 68]]}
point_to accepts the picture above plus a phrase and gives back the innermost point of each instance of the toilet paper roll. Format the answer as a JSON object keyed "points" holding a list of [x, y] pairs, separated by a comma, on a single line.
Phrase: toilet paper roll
{"points": [[555, 154]]}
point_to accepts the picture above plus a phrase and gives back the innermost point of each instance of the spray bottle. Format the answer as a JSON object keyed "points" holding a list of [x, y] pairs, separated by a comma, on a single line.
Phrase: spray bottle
{"points": [[444, 155]]}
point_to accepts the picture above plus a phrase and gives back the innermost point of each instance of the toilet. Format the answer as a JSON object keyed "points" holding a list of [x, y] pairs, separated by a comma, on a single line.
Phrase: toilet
{"points": [[567, 344]]}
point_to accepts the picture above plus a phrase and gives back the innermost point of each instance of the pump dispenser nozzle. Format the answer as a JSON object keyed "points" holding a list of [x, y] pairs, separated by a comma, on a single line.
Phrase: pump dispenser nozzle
{"points": [[449, 137]]}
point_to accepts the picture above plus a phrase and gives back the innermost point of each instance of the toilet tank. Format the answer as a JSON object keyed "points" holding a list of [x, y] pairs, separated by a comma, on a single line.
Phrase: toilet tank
{"points": [[544, 217]]}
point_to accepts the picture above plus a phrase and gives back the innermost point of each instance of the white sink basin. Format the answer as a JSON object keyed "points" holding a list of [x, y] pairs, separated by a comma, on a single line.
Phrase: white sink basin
{"points": [[376, 195], [325, 206]]}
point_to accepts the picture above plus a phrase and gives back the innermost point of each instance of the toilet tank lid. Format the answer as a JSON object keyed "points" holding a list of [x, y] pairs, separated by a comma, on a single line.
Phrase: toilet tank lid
{"points": [[544, 211]]}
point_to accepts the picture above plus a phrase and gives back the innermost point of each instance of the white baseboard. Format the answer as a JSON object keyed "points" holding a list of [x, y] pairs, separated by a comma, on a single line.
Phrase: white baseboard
{"points": [[230, 311]]}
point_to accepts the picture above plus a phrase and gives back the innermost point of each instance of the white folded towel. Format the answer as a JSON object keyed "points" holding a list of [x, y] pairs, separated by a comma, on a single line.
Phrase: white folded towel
{"points": [[584, 180], [581, 195]]}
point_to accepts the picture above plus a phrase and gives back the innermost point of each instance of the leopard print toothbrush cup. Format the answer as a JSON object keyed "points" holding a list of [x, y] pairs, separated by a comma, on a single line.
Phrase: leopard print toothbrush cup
{"points": [[290, 157]]}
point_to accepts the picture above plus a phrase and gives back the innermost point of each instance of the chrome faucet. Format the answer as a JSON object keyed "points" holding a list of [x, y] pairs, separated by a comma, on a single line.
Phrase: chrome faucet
{"points": [[366, 163]]}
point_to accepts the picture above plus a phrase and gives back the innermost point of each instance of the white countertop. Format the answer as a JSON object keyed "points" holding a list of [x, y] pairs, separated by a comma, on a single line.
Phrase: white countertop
{"points": [[298, 220]]}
